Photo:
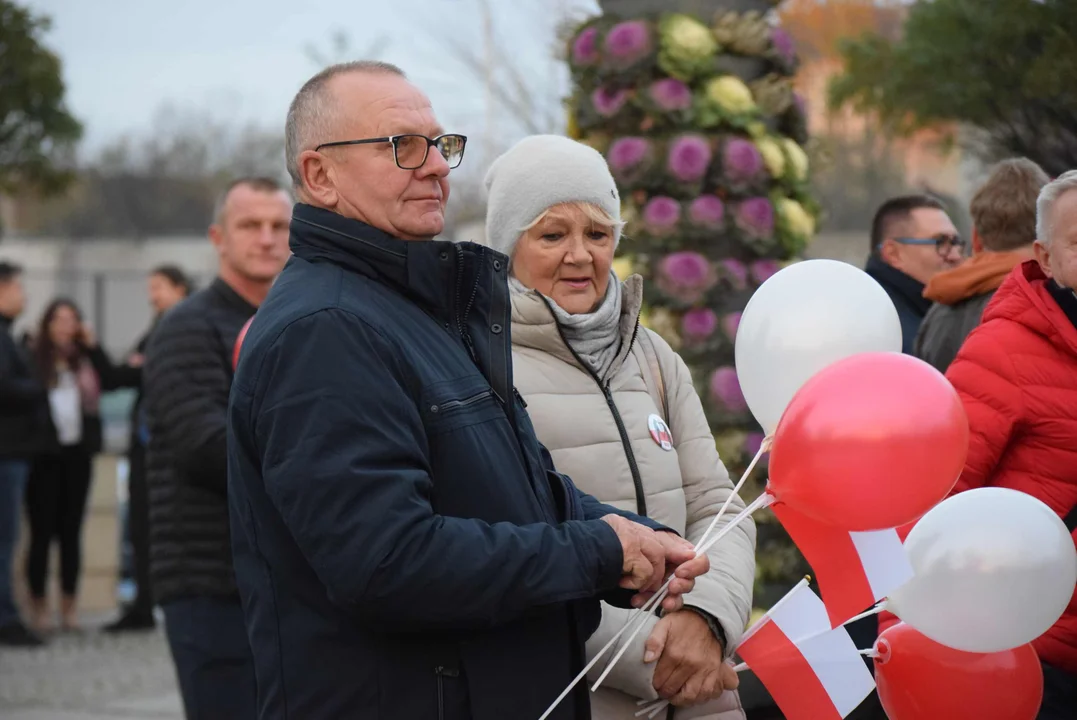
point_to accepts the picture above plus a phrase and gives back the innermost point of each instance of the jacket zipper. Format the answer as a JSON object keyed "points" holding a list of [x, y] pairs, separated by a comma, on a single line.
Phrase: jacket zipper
{"points": [[441, 672], [461, 320], [453, 404], [633, 466]]}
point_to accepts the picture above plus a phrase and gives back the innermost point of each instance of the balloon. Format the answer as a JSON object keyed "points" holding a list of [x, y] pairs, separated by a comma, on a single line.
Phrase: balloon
{"points": [[803, 318], [920, 679], [995, 568], [239, 342], [870, 442]]}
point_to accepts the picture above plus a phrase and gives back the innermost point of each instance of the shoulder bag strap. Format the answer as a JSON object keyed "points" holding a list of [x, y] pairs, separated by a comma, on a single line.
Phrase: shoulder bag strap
{"points": [[657, 386]]}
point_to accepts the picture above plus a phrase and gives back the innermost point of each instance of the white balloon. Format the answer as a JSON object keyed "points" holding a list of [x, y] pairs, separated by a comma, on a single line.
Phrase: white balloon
{"points": [[803, 318], [994, 569]]}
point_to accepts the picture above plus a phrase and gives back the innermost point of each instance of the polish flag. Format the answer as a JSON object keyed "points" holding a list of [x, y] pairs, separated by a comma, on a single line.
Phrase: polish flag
{"points": [[811, 671], [854, 569]]}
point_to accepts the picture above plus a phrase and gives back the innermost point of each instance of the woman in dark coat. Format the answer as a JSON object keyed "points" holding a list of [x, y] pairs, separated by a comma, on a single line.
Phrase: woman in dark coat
{"points": [[75, 371]]}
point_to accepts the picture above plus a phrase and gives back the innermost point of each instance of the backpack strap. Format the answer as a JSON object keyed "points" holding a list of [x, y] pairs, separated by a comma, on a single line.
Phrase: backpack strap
{"points": [[657, 385], [1071, 519]]}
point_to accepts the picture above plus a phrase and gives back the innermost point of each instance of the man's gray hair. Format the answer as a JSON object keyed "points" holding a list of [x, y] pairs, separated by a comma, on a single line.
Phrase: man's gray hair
{"points": [[310, 114], [1045, 203]]}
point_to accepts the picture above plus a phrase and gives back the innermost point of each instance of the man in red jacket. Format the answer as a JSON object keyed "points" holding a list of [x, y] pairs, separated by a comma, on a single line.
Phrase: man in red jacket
{"points": [[1017, 377]]}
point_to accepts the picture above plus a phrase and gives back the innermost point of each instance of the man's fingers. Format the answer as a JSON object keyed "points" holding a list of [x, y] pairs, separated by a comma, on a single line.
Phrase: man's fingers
{"points": [[679, 586], [673, 603], [694, 568], [678, 550], [676, 680], [691, 692], [656, 556], [712, 685]]}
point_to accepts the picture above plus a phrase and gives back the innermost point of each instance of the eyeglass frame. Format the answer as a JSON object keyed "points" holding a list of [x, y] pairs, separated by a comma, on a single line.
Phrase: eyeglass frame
{"points": [[951, 241], [393, 139]]}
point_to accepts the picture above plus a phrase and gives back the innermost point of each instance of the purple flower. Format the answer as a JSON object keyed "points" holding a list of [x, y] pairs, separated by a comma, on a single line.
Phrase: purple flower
{"points": [[671, 94], [783, 45], [725, 390], [627, 152], [742, 160], [627, 42], [752, 443], [584, 51], [763, 270], [707, 210], [698, 324], [737, 272], [661, 213], [801, 106], [607, 102], [755, 216], [730, 324], [685, 276], [689, 156]]}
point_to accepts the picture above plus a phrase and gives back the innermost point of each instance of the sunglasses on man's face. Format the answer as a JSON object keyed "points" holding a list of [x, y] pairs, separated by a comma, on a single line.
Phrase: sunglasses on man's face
{"points": [[943, 243]]}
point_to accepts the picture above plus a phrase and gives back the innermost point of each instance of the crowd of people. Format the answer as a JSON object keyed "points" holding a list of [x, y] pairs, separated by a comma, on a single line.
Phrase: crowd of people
{"points": [[442, 474]]}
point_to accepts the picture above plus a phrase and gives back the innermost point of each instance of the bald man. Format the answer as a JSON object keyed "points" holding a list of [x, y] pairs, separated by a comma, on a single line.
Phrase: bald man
{"points": [[403, 545]]}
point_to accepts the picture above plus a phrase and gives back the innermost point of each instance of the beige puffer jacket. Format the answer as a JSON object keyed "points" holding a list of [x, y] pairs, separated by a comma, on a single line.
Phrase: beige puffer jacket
{"points": [[683, 488]]}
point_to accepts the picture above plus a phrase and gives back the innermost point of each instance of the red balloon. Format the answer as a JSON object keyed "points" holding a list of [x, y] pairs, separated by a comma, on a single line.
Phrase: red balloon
{"points": [[872, 441], [920, 679], [239, 341]]}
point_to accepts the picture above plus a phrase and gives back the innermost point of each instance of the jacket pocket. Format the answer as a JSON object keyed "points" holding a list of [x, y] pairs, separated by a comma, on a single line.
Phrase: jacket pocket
{"points": [[565, 499], [454, 405]]}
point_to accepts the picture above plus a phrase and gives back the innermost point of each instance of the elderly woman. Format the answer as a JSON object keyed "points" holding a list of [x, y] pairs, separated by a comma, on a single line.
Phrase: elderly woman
{"points": [[615, 406]]}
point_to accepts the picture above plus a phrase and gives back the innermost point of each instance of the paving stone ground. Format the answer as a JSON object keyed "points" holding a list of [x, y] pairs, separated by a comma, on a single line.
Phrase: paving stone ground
{"points": [[91, 676]]}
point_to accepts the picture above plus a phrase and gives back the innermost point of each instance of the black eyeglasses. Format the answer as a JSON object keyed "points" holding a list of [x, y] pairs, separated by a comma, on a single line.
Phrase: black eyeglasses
{"points": [[410, 151], [943, 243]]}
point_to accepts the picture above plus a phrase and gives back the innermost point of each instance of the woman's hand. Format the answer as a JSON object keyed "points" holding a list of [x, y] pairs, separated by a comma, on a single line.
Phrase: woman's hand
{"points": [[690, 670]]}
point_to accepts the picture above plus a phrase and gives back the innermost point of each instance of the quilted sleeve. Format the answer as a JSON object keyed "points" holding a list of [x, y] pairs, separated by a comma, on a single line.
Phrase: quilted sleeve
{"points": [[985, 378]]}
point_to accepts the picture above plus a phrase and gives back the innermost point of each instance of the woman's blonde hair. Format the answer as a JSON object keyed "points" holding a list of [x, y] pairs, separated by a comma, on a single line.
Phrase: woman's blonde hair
{"points": [[594, 213]]}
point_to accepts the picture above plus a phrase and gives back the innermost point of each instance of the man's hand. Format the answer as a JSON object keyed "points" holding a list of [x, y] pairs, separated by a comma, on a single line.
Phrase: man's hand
{"points": [[644, 567], [682, 561], [690, 670], [648, 555]]}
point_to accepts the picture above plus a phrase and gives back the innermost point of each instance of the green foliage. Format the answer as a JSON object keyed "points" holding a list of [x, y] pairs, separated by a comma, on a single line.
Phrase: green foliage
{"points": [[37, 133], [1005, 72]]}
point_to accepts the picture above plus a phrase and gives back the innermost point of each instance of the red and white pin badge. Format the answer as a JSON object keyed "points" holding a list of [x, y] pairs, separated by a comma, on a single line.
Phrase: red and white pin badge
{"points": [[660, 432]]}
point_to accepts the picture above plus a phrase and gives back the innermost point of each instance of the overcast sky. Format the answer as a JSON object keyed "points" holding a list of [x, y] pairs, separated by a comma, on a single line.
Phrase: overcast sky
{"points": [[244, 59]]}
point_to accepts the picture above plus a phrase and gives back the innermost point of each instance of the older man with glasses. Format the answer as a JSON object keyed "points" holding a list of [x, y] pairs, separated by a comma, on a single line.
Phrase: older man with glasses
{"points": [[912, 240], [402, 543]]}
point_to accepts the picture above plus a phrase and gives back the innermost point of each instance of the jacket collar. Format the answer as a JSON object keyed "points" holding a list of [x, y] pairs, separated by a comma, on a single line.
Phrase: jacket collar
{"points": [[230, 297], [1029, 298], [534, 325], [425, 272], [5, 323], [898, 283]]}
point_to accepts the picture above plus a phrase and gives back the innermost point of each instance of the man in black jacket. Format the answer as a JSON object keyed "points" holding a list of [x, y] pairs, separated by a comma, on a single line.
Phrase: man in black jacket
{"points": [[186, 380], [167, 285], [20, 397], [912, 240], [403, 545]]}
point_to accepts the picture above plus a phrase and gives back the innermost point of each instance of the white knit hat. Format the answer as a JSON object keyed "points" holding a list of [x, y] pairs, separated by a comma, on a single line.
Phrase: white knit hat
{"points": [[539, 172]]}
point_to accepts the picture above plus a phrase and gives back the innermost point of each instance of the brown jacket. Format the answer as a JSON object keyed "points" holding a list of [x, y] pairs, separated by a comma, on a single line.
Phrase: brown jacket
{"points": [[683, 487]]}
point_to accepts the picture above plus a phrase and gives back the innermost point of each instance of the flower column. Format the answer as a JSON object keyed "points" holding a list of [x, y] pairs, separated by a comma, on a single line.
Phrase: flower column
{"points": [[703, 132]]}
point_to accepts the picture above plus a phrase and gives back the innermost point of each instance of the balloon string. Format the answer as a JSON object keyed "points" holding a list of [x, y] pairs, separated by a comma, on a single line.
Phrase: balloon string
{"points": [[764, 500], [764, 447]]}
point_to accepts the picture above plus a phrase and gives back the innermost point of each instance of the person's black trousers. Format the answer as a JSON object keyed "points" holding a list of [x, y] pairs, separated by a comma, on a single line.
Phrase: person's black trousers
{"points": [[138, 530], [56, 506], [214, 664]]}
